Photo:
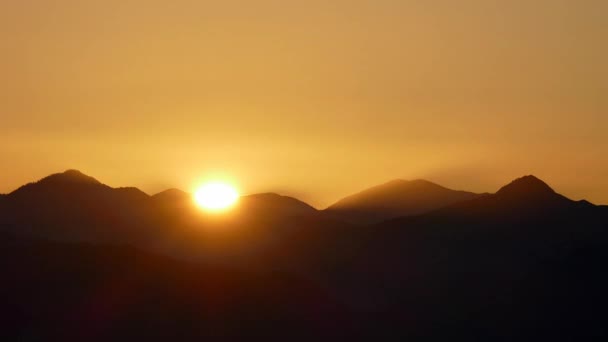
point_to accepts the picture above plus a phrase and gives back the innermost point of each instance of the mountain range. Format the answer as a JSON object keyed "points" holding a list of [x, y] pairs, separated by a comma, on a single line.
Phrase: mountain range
{"points": [[72, 206], [403, 260], [63, 202]]}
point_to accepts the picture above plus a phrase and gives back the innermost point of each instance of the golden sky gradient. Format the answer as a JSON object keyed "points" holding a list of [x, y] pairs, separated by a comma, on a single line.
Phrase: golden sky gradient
{"points": [[312, 98]]}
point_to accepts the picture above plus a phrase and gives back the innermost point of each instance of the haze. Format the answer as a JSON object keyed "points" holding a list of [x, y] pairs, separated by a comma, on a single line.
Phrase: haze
{"points": [[311, 98]]}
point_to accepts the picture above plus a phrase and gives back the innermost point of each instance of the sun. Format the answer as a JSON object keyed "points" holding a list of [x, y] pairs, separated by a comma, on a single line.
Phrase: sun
{"points": [[216, 196]]}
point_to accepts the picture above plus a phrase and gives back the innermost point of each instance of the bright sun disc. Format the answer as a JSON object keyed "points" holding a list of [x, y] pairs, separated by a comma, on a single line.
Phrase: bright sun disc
{"points": [[216, 196]]}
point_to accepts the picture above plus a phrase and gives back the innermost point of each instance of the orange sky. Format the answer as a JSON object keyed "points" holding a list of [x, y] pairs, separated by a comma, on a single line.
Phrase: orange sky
{"points": [[312, 98]]}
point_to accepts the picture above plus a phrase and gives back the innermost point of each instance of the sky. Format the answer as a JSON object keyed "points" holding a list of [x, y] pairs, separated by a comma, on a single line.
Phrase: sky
{"points": [[316, 99]]}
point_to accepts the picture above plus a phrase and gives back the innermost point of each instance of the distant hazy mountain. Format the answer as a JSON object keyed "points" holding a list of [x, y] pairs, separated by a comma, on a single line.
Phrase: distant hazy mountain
{"points": [[271, 203], [172, 196], [396, 198]]}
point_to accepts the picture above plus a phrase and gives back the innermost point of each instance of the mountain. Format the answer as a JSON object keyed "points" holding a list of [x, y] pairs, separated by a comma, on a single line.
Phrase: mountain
{"points": [[173, 202], [526, 186], [74, 206], [271, 203], [172, 196], [394, 199], [524, 198]]}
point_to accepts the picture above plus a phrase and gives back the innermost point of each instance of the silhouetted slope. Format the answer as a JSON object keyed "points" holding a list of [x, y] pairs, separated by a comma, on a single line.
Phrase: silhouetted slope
{"points": [[526, 186], [173, 202], [271, 203], [66, 177], [250, 206], [394, 199], [172, 195], [74, 206]]}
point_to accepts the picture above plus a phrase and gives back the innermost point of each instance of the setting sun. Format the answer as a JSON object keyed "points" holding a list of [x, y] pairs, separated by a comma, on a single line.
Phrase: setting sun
{"points": [[216, 196]]}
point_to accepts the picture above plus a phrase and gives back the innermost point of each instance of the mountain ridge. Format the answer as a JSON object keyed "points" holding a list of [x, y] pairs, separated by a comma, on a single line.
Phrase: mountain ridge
{"points": [[69, 176], [529, 184], [396, 198]]}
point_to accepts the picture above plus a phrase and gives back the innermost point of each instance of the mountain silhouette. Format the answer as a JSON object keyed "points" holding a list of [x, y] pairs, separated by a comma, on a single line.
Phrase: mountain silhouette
{"points": [[524, 198], [274, 203], [68, 177], [72, 206], [526, 185], [394, 199], [172, 195], [71, 183], [524, 263], [173, 201]]}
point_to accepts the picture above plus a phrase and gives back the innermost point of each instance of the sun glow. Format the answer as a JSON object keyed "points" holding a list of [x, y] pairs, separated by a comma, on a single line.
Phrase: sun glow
{"points": [[216, 196]]}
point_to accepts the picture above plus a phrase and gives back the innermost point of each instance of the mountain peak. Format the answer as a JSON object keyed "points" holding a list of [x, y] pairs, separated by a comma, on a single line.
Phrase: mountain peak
{"points": [[411, 183], [172, 195], [274, 201], [264, 195], [171, 192], [527, 185], [67, 179], [70, 176], [396, 198]]}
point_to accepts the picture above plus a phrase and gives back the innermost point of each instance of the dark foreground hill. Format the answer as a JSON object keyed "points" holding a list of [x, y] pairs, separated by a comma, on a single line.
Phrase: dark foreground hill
{"points": [[83, 292]]}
